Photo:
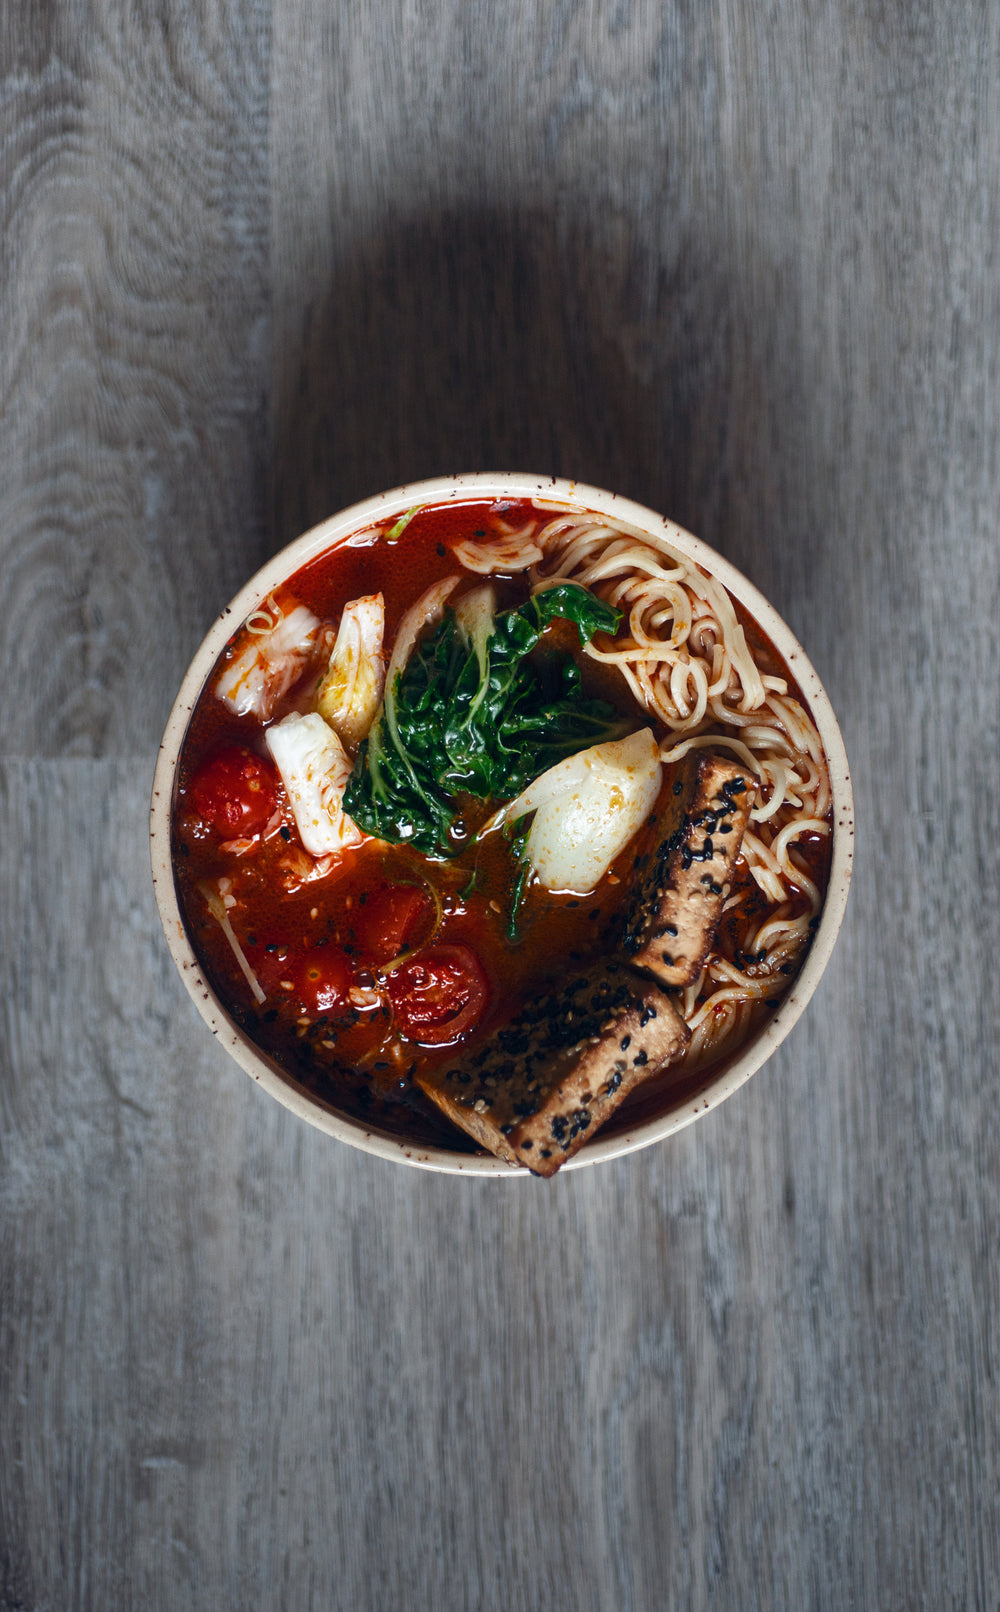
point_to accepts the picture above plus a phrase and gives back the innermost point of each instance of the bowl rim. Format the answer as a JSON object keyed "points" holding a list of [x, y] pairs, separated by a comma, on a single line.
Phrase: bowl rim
{"points": [[374, 511]]}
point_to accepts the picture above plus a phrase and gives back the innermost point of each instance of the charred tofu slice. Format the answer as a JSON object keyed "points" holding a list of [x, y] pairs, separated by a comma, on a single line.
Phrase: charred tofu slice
{"points": [[673, 916], [546, 1080]]}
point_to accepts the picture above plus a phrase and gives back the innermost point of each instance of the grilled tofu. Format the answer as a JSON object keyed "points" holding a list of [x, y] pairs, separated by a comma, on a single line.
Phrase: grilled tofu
{"points": [[546, 1080], [672, 918]]}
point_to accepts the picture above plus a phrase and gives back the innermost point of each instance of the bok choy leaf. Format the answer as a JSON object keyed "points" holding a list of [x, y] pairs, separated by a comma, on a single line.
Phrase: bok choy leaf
{"points": [[472, 713]]}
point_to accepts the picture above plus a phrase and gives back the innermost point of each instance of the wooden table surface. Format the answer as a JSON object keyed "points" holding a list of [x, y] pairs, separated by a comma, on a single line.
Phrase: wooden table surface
{"points": [[738, 261]]}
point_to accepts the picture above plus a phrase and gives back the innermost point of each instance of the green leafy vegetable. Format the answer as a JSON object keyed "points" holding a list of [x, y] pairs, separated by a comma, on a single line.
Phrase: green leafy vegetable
{"points": [[471, 712], [395, 532], [518, 837]]}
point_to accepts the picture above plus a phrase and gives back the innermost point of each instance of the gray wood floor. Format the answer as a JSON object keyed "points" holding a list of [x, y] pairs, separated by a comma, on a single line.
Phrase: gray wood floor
{"points": [[739, 261]]}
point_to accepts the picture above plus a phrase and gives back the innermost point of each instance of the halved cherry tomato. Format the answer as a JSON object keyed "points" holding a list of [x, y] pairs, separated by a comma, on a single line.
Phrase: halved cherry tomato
{"points": [[234, 792], [322, 980], [390, 918], [438, 995], [272, 962]]}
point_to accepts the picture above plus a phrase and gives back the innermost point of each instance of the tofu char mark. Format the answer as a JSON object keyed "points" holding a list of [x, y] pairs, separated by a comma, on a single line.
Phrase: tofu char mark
{"points": [[674, 913], [546, 1080]]}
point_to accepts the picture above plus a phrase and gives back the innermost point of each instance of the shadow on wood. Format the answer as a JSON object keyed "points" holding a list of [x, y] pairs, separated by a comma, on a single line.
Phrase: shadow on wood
{"points": [[493, 341]]}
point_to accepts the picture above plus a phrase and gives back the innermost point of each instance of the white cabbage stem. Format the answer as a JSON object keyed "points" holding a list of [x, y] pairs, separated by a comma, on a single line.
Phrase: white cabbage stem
{"points": [[426, 612], [587, 808]]}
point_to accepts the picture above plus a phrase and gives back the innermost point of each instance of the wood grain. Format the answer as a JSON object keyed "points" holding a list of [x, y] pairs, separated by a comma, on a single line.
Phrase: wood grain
{"points": [[134, 361], [737, 262]]}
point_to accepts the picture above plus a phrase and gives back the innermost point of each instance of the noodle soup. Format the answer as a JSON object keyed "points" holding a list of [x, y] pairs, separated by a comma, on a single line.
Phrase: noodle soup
{"points": [[376, 840]]}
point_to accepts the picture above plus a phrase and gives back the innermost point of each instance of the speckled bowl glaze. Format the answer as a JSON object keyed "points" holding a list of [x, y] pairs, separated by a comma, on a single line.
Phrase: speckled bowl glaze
{"points": [[677, 1111]]}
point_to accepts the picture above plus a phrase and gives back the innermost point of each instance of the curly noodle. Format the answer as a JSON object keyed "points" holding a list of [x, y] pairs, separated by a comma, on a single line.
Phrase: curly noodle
{"points": [[684, 656]]}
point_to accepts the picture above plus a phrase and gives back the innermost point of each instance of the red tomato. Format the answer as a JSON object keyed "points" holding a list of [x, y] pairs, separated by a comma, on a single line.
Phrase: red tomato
{"points": [[438, 995], [390, 918], [234, 792], [272, 962], [322, 980]]}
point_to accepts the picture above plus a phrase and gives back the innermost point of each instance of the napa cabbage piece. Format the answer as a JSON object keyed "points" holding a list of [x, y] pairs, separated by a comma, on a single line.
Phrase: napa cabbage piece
{"points": [[350, 692], [471, 712], [277, 648], [586, 809], [314, 768]]}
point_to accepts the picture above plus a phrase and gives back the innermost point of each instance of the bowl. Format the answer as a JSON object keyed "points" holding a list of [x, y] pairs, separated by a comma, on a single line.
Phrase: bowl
{"points": [[639, 1124]]}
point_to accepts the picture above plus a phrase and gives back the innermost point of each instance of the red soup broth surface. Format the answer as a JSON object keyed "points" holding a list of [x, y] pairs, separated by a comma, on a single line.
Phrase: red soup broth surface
{"points": [[320, 947]]}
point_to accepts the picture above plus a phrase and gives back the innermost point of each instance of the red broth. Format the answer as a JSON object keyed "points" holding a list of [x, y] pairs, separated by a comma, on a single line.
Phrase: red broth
{"points": [[311, 942]]}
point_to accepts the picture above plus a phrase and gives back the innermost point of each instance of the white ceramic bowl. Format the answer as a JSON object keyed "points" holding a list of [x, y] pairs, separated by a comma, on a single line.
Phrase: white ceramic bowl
{"points": [[677, 1111]]}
